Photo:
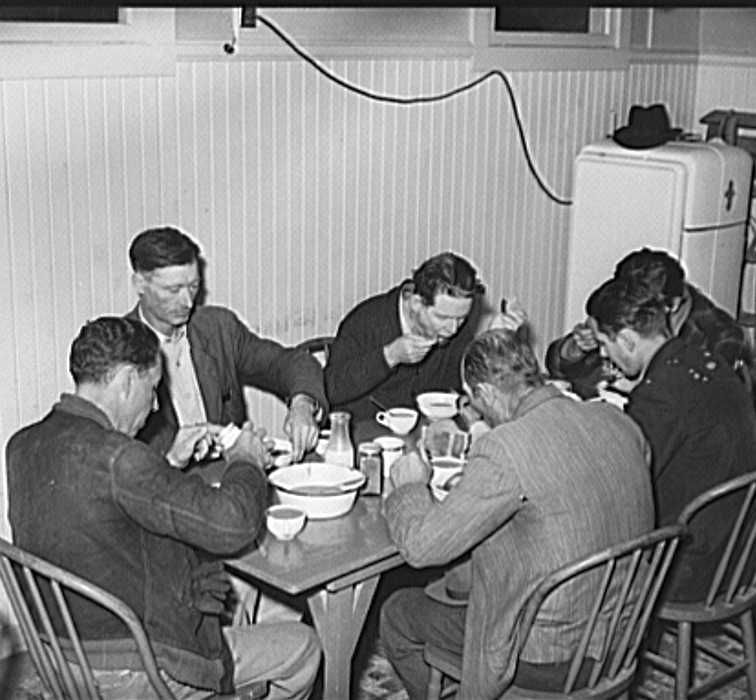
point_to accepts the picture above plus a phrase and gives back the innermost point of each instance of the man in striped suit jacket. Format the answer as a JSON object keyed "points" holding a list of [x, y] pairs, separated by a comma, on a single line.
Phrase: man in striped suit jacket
{"points": [[553, 480]]}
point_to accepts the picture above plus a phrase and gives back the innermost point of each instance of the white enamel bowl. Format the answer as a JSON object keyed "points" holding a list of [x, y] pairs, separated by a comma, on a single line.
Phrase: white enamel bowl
{"points": [[435, 405], [315, 487]]}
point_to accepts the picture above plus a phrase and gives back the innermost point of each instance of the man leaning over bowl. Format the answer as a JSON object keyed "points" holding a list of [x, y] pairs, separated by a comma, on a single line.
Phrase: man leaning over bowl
{"points": [[86, 495], [553, 480]]}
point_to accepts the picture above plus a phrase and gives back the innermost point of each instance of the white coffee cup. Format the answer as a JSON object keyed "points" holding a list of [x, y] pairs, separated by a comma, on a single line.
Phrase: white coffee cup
{"points": [[392, 448], [398, 420]]}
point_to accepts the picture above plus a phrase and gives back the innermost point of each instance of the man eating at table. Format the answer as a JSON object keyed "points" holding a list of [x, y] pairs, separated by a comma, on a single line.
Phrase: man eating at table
{"points": [[694, 410], [398, 344], [210, 355], [691, 316], [553, 480], [86, 495]]}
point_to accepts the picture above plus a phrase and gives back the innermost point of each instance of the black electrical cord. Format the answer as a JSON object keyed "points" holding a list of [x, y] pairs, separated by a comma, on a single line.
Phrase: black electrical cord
{"points": [[424, 99]]}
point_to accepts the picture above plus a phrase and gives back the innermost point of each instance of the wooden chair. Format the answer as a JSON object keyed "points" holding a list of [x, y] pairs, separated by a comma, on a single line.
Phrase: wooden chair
{"points": [[319, 347], [730, 597], [63, 664], [627, 578]]}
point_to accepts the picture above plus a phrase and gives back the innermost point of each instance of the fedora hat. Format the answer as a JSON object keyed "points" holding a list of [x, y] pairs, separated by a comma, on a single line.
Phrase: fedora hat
{"points": [[647, 127]]}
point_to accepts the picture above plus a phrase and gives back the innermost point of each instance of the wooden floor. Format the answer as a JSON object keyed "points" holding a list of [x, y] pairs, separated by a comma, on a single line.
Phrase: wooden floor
{"points": [[375, 679]]}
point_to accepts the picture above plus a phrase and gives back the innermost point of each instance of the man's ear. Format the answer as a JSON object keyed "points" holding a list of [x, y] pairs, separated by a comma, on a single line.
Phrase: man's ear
{"points": [[416, 302], [486, 392], [123, 379], [628, 338], [138, 280]]}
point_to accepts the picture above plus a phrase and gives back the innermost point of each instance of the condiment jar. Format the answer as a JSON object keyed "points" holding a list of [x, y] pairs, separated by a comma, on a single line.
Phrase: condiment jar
{"points": [[370, 466]]}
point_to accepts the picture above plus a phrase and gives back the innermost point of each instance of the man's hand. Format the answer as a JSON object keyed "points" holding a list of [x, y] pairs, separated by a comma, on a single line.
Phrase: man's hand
{"points": [[250, 447], [583, 341], [300, 425], [407, 349], [210, 585], [514, 317], [191, 441], [410, 469]]}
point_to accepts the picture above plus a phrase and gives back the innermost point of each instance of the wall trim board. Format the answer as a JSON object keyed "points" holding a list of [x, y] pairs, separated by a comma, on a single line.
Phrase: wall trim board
{"points": [[202, 51], [726, 60], [656, 56]]}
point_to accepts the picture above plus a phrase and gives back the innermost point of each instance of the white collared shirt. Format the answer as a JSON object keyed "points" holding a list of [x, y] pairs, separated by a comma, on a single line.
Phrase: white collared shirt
{"points": [[404, 323], [182, 378]]}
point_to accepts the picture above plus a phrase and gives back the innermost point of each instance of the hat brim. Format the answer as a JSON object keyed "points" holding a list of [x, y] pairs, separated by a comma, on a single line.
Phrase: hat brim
{"points": [[636, 138]]}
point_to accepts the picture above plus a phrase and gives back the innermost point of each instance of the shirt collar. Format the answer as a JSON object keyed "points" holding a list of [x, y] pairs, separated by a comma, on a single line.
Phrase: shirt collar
{"points": [[535, 398], [404, 323], [177, 335]]}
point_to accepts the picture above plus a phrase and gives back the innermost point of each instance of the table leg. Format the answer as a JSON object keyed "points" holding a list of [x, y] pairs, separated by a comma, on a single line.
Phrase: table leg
{"points": [[338, 616]]}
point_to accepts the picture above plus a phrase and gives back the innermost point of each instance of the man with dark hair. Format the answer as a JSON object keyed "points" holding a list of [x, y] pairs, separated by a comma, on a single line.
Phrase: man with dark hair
{"points": [[693, 409], [691, 315], [553, 480], [86, 495], [210, 355], [398, 344]]}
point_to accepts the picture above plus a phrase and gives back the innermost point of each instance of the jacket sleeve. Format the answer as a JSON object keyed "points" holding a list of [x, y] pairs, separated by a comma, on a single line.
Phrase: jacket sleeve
{"points": [[169, 502], [268, 365], [356, 364], [430, 533], [658, 415]]}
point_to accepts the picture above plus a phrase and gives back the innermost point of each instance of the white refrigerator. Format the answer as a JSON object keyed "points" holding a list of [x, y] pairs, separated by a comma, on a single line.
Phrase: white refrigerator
{"points": [[690, 198]]}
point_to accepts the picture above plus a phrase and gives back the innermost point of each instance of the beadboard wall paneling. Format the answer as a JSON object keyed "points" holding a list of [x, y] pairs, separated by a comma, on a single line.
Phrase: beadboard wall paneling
{"points": [[305, 197]]}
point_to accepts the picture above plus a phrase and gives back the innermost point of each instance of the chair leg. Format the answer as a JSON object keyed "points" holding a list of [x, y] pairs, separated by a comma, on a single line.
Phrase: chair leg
{"points": [[749, 650], [434, 684], [684, 659]]}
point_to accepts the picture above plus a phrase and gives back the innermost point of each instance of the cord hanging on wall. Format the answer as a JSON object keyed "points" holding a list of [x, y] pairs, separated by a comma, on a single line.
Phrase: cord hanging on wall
{"points": [[236, 18]]}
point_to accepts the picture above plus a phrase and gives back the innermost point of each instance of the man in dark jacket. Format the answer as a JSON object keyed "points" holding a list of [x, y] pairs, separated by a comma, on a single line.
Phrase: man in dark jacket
{"points": [[86, 495], [209, 354], [691, 316], [693, 409], [398, 344]]}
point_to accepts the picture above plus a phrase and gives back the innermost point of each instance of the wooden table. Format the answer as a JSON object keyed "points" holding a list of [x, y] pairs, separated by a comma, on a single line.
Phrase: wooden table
{"points": [[337, 564]]}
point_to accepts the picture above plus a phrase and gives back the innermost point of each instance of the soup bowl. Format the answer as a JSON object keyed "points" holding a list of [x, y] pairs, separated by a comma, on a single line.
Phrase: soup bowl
{"points": [[435, 405], [320, 489]]}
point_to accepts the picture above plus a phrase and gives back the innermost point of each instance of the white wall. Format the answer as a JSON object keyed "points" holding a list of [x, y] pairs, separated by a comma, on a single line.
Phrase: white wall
{"points": [[304, 197]]}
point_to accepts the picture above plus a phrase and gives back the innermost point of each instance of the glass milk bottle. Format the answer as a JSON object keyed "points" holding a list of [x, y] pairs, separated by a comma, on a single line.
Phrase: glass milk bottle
{"points": [[339, 449]]}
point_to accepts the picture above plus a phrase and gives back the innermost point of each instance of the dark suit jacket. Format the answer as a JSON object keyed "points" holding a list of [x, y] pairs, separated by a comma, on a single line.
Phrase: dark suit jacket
{"points": [[227, 356]]}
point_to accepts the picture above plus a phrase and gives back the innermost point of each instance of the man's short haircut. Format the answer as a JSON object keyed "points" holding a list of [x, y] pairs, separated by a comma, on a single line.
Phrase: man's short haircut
{"points": [[656, 269], [446, 273], [625, 303], [503, 358], [108, 342], [162, 247]]}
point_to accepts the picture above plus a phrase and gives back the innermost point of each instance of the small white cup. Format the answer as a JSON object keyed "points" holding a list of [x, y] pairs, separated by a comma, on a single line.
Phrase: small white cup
{"points": [[398, 420], [392, 448], [284, 522]]}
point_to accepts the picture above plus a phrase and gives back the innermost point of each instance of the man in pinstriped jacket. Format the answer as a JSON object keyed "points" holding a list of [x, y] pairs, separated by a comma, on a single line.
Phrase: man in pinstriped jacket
{"points": [[552, 481]]}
